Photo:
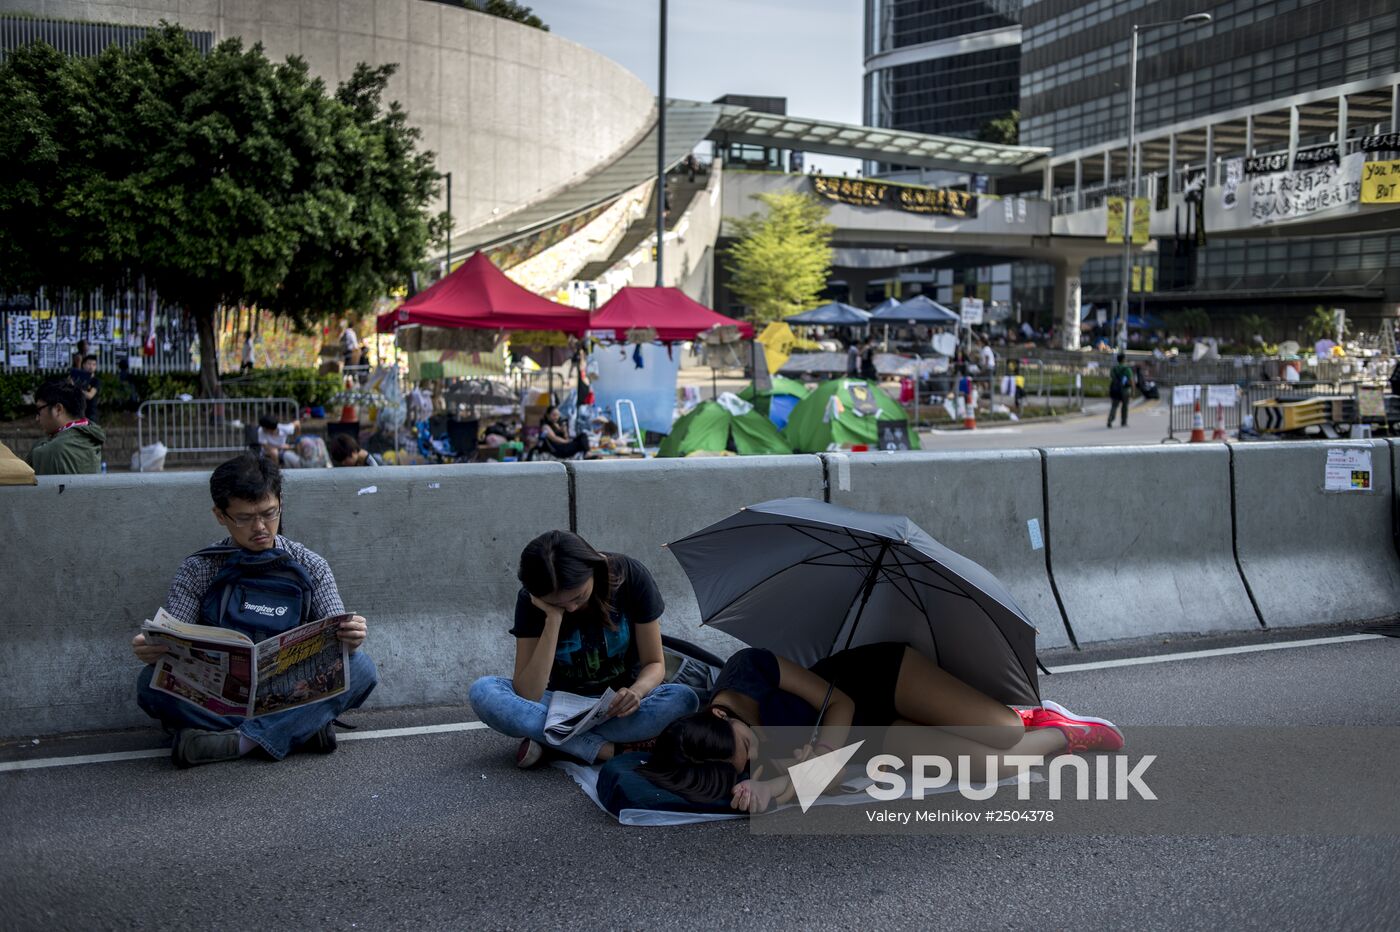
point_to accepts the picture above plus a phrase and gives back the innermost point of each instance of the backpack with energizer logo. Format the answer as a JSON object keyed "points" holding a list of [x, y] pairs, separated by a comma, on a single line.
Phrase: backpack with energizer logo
{"points": [[260, 593]]}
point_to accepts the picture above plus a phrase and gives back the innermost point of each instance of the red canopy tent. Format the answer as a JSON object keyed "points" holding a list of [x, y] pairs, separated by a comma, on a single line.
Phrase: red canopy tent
{"points": [[668, 310], [480, 296]]}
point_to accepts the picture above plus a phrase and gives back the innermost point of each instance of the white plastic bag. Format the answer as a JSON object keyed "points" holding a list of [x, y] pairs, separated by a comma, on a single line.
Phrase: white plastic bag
{"points": [[150, 458]]}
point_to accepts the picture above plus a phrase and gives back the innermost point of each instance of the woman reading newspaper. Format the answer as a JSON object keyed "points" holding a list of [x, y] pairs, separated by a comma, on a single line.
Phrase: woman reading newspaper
{"points": [[588, 662]]}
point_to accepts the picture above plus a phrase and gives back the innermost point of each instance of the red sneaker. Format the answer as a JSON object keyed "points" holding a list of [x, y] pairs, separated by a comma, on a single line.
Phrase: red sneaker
{"points": [[1082, 732]]}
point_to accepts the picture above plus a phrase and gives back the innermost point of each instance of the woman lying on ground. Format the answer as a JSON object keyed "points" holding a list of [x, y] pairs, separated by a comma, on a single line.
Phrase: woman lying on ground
{"points": [[703, 757], [585, 622]]}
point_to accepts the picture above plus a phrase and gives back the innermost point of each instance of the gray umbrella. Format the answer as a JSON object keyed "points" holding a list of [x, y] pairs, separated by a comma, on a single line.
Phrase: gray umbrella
{"points": [[806, 579]]}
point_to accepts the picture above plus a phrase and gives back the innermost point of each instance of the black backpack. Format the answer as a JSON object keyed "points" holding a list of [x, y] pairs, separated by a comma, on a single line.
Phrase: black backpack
{"points": [[257, 593]]}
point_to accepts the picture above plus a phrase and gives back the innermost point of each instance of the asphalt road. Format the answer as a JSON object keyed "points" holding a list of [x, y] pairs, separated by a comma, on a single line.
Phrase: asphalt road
{"points": [[440, 831]]}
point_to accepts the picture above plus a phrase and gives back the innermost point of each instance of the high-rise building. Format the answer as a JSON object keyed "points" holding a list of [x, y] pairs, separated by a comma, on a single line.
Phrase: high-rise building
{"points": [[941, 66], [1207, 95]]}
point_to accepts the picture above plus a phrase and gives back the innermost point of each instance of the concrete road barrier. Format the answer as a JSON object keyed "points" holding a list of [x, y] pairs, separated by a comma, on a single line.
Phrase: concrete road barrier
{"points": [[1141, 541], [1309, 554], [635, 506], [427, 554], [975, 503]]}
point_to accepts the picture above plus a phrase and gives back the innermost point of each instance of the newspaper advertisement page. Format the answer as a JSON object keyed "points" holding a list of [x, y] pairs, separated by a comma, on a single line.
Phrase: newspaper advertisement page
{"points": [[208, 667], [305, 665]]}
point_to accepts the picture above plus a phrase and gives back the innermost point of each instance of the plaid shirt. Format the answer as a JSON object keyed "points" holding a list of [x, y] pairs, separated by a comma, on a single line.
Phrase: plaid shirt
{"points": [[196, 573]]}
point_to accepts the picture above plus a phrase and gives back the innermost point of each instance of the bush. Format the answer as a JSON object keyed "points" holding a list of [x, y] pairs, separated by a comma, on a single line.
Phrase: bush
{"points": [[307, 386]]}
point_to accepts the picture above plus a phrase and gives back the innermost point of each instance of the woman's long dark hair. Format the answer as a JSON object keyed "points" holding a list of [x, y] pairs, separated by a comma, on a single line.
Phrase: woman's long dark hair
{"points": [[559, 560], [692, 758]]}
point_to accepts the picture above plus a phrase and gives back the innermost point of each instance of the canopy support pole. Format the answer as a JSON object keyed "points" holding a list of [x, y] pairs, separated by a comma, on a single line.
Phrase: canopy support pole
{"points": [[866, 590]]}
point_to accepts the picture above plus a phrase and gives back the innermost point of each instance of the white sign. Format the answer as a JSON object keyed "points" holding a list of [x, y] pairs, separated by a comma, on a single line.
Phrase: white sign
{"points": [[19, 360], [1348, 470], [1033, 527], [1008, 209], [1020, 210], [972, 310], [1185, 395], [1290, 195], [1234, 175], [1227, 395]]}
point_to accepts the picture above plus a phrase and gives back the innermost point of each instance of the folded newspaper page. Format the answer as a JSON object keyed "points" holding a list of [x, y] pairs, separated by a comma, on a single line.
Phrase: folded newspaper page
{"points": [[570, 715], [224, 672]]}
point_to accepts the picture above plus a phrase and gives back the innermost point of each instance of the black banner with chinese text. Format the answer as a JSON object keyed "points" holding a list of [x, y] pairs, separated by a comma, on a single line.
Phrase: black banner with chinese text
{"points": [[859, 192]]}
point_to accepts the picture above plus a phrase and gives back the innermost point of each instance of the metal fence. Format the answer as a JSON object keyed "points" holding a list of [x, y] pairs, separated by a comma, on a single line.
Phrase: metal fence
{"points": [[207, 425], [1236, 402]]}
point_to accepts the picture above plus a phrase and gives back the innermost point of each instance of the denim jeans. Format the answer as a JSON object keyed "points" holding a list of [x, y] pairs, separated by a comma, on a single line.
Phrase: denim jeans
{"points": [[277, 733], [498, 705]]}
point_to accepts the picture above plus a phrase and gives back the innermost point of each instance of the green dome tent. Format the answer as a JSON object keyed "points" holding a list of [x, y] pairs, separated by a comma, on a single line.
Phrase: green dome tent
{"points": [[715, 427], [847, 411], [776, 403]]}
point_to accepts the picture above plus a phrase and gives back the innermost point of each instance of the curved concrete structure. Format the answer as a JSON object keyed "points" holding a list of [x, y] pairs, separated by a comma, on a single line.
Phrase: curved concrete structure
{"points": [[515, 114]]}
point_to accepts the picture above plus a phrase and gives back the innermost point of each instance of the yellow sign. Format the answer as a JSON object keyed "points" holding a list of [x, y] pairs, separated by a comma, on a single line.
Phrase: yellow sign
{"points": [[959, 291], [1142, 218], [1147, 277], [1380, 183], [1115, 219], [1136, 279], [984, 292], [778, 340]]}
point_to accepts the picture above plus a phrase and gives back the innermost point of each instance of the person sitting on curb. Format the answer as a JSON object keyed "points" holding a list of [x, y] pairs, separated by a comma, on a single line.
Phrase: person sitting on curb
{"points": [[247, 494], [345, 450], [275, 439], [74, 446], [585, 622]]}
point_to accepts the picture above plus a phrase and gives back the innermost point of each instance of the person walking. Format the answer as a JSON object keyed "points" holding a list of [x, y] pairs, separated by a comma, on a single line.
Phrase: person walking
{"points": [[1120, 389], [247, 352]]}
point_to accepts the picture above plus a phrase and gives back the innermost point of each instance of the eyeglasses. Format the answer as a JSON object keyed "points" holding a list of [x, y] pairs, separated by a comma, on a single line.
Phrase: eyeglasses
{"points": [[38, 409], [268, 518]]}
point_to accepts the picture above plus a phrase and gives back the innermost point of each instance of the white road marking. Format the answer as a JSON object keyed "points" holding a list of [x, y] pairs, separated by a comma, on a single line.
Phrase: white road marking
{"points": [[1215, 652], [46, 762]]}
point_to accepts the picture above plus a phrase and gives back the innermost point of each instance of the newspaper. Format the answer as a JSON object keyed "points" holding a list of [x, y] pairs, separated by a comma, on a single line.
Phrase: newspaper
{"points": [[570, 715], [222, 671]]}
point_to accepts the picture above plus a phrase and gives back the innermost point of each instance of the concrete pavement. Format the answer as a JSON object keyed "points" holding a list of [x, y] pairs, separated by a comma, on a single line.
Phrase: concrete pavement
{"points": [[440, 831]]}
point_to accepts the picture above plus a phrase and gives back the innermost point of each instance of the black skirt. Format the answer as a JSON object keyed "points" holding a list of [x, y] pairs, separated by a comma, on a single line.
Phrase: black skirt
{"points": [[868, 675]]}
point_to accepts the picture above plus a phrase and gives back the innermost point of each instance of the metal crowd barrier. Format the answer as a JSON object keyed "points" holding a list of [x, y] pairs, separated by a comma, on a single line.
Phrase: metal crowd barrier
{"points": [[1237, 401], [206, 425]]}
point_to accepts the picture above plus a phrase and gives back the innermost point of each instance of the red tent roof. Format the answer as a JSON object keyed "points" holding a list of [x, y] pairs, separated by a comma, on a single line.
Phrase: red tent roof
{"points": [[675, 316], [479, 295]]}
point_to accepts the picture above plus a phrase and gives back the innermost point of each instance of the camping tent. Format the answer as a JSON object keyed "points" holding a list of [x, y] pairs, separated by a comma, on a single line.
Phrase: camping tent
{"points": [[917, 310], [776, 403], [884, 305], [479, 295], [669, 311], [715, 427], [834, 314], [845, 412]]}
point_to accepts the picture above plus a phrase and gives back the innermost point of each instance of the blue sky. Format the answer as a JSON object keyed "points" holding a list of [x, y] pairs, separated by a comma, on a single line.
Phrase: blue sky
{"points": [[808, 52]]}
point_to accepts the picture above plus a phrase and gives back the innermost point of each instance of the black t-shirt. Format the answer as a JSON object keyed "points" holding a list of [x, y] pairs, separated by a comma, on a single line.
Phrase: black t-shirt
{"points": [[589, 658], [753, 672]]}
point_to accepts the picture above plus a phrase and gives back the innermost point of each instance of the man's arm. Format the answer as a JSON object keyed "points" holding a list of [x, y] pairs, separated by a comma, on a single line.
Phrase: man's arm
{"points": [[325, 602], [181, 603]]}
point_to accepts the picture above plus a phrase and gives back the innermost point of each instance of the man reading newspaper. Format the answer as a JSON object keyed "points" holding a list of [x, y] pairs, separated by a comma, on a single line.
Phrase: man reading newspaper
{"points": [[261, 584]]}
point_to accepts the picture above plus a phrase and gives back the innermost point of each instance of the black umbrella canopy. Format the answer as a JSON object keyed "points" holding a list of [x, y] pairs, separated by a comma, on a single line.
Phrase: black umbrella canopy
{"points": [[804, 579]]}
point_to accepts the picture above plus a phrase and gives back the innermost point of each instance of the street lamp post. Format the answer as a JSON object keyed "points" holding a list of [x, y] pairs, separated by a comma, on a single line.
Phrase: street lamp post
{"points": [[1130, 187], [661, 153]]}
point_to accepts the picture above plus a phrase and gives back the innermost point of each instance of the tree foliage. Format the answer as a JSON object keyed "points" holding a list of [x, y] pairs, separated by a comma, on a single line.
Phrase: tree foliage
{"points": [[1322, 325], [505, 9], [1004, 130], [780, 262], [223, 180]]}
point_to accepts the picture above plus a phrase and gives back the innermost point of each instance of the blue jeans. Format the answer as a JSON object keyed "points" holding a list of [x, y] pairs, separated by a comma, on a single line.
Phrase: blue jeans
{"points": [[498, 705], [277, 733]]}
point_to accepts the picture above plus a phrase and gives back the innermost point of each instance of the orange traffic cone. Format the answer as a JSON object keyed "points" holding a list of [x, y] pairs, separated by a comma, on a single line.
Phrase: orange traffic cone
{"points": [[1198, 425], [970, 412], [1219, 432]]}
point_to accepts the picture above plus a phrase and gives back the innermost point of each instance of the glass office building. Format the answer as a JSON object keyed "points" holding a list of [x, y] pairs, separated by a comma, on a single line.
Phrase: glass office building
{"points": [[946, 68], [1074, 65]]}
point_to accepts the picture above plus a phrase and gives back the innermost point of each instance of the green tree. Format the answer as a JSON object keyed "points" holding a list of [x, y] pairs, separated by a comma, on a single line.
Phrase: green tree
{"points": [[1256, 324], [223, 179], [779, 264], [1004, 130], [505, 9], [1322, 325]]}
